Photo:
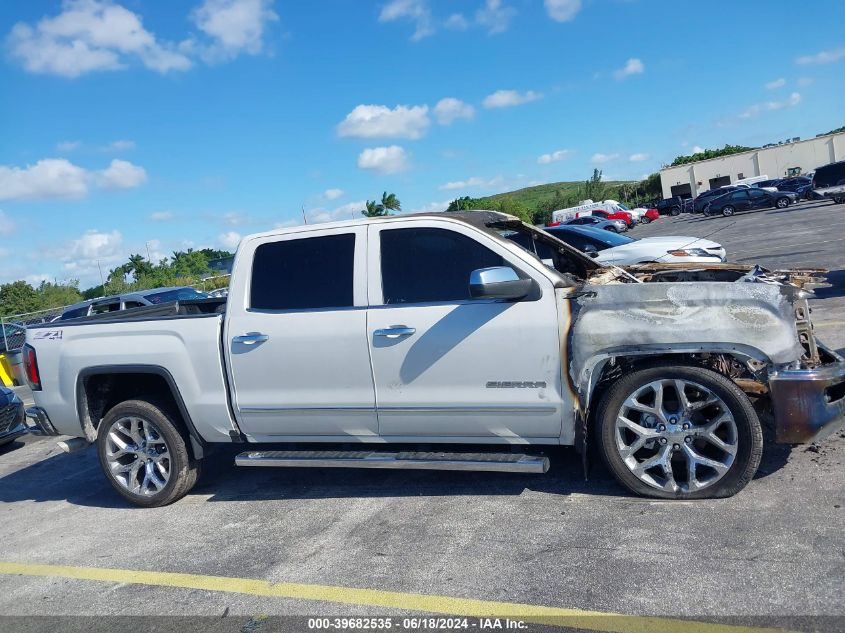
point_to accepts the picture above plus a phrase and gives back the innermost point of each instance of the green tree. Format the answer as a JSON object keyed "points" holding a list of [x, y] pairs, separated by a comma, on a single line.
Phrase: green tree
{"points": [[57, 295], [17, 297], [389, 202], [705, 154], [594, 188], [463, 204], [373, 210]]}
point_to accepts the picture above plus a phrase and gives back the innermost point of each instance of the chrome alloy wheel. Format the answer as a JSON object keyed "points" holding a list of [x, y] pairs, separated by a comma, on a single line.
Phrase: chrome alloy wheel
{"points": [[676, 435], [137, 455]]}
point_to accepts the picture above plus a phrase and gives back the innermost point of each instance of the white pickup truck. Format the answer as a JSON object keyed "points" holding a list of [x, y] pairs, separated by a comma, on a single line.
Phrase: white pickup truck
{"points": [[398, 334]]}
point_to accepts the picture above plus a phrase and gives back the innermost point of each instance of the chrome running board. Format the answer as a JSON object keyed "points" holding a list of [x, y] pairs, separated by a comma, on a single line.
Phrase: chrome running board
{"points": [[490, 462]]}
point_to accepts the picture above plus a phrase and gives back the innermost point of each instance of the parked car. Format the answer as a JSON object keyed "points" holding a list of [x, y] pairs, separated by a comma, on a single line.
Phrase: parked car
{"points": [[128, 300], [444, 333], [829, 181], [617, 226], [797, 184], [639, 214], [669, 206], [704, 198], [12, 420], [624, 216], [622, 250], [770, 185], [747, 199]]}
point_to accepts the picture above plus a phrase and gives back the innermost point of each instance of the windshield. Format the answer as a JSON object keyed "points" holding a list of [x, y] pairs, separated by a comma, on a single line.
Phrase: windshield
{"points": [[622, 206], [179, 294], [607, 239]]}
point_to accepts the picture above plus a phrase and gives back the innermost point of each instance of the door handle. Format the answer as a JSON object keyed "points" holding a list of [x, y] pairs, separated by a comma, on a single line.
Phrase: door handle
{"points": [[395, 331], [251, 338]]}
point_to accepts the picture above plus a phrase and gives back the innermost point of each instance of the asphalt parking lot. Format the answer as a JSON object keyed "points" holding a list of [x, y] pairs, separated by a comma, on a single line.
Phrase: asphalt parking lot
{"points": [[772, 556]]}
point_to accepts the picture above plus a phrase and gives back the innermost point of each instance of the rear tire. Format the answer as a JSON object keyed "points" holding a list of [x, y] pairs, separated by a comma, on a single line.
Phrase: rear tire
{"points": [[728, 211], [675, 211], [725, 445], [645, 220], [144, 454]]}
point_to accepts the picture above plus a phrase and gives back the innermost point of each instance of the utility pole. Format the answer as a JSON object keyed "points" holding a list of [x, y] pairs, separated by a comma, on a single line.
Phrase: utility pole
{"points": [[304, 217], [148, 252]]}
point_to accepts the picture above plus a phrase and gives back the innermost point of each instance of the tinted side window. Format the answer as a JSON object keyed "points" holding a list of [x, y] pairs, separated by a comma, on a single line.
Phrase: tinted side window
{"points": [[313, 272], [427, 264], [572, 239], [74, 314], [758, 195]]}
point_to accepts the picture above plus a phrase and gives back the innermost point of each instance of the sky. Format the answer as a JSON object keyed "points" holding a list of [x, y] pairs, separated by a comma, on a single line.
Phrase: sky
{"points": [[140, 126]]}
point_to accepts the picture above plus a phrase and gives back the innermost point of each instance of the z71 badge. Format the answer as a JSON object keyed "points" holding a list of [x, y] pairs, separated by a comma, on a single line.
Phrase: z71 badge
{"points": [[48, 335]]}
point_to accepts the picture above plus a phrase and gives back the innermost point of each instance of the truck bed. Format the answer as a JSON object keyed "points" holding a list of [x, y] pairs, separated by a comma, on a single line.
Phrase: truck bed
{"points": [[173, 309]]}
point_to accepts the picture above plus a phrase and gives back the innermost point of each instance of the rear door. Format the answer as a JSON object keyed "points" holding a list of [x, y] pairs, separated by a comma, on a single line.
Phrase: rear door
{"points": [[739, 200], [296, 338], [760, 199], [447, 365]]}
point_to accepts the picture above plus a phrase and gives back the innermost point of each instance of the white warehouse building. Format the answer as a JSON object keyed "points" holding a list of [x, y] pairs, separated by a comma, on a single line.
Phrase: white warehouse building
{"points": [[775, 161]]}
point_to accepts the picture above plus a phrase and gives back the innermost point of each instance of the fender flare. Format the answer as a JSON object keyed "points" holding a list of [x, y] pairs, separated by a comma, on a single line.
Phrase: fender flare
{"points": [[198, 444]]}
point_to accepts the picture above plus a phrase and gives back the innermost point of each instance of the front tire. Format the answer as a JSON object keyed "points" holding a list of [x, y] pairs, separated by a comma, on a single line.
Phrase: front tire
{"points": [[782, 203], [679, 432], [675, 211], [144, 455], [728, 211]]}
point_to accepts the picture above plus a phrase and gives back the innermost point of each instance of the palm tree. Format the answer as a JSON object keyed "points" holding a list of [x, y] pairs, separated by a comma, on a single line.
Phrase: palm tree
{"points": [[390, 202], [373, 210]]}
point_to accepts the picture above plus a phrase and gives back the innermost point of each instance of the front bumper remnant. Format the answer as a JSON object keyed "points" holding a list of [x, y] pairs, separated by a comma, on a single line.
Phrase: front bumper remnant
{"points": [[808, 403], [38, 423]]}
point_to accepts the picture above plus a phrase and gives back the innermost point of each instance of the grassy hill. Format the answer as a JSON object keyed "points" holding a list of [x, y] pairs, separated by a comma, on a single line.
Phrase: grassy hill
{"points": [[541, 195]]}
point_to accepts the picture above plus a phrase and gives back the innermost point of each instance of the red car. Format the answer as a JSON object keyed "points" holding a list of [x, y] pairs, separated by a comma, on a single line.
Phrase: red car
{"points": [[626, 217], [651, 214]]}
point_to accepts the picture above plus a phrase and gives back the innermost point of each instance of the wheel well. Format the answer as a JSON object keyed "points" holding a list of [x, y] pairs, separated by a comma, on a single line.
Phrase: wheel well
{"points": [[99, 392], [732, 366]]}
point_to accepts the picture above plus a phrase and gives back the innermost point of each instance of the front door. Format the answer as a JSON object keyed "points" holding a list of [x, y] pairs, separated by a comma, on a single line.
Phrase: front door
{"points": [[296, 336], [447, 366]]}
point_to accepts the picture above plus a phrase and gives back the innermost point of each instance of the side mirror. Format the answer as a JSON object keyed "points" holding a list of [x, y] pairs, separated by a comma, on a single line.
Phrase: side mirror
{"points": [[499, 282], [590, 250]]}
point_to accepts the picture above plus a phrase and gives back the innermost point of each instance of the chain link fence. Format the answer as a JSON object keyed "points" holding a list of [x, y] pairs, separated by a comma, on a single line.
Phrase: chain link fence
{"points": [[13, 327]]}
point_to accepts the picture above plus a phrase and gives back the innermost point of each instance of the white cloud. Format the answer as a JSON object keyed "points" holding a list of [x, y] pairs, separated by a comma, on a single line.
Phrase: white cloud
{"points": [[803, 82], [509, 98], [229, 240], [456, 22], [332, 194], [47, 178], [67, 146], [633, 66], [770, 106], [697, 149], [350, 210], [554, 157], [378, 121], [83, 255], [600, 159], [449, 110], [775, 84], [118, 146], [562, 10], [234, 26], [475, 182], [824, 57], [7, 225], [88, 36], [495, 16], [122, 174], [416, 11], [161, 216], [638, 158], [384, 160], [59, 178]]}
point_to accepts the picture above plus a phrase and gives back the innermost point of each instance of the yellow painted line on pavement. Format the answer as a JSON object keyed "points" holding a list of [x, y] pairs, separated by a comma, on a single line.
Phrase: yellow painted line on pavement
{"points": [[463, 607]]}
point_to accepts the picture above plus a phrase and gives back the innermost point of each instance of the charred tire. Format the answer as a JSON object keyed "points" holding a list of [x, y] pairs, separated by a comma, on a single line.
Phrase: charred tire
{"points": [[675, 211], [782, 203], [728, 211], [144, 454], [739, 431]]}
